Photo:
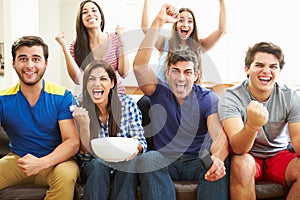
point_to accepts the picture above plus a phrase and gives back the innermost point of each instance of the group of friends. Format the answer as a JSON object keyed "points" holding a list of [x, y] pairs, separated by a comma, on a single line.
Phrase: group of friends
{"points": [[250, 131]]}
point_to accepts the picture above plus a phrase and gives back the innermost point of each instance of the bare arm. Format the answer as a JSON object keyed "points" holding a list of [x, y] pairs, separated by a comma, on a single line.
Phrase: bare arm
{"points": [[209, 42], [295, 136], [145, 76], [241, 137], [69, 146], [145, 24], [32, 165], [82, 120], [219, 147], [72, 67], [124, 63]]}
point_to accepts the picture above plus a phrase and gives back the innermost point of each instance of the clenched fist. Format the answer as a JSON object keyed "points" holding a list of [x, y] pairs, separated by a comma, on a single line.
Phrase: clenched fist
{"points": [[257, 115]]}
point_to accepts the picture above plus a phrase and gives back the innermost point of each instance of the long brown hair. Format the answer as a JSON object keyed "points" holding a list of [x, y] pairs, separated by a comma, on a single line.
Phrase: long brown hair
{"points": [[114, 103], [192, 42], [82, 49]]}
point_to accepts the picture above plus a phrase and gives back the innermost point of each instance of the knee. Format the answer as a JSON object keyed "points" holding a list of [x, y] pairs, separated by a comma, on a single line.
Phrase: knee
{"points": [[151, 161], [67, 172], [242, 165]]}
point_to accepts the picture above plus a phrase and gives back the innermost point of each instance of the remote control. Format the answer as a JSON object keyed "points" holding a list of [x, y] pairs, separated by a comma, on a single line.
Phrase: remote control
{"points": [[206, 160]]}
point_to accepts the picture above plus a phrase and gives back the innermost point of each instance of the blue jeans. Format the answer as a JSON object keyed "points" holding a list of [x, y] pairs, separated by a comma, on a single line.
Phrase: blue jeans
{"points": [[156, 183], [189, 167], [98, 175]]}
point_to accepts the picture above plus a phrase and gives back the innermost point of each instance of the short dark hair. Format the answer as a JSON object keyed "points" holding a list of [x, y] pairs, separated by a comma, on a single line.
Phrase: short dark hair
{"points": [[29, 41], [265, 47], [183, 55]]}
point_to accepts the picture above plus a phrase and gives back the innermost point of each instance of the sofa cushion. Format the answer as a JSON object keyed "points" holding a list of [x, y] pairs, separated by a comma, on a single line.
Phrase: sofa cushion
{"points": [[186, 190], [269, 190], [24, 192]]}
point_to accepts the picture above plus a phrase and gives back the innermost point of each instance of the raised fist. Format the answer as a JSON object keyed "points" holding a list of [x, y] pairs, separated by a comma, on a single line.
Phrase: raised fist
{"points": [[257, 115]]}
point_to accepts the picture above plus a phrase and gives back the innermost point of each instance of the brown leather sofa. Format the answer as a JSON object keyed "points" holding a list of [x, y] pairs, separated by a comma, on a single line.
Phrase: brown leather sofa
{"points": [[185, 190]]}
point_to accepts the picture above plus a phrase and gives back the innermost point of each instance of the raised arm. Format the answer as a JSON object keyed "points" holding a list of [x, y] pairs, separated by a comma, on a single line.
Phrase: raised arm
{"points": [[72, 67], [210, 41], [145, 76], [124, 63], [82, 120], [145, 24]]}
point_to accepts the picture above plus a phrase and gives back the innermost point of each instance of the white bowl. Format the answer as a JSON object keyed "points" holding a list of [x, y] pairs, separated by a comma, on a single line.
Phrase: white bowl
{"points": [[114, 149]]}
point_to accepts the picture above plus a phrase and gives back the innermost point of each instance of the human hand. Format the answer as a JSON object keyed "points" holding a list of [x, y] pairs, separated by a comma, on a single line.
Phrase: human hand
{"points": [[60, 38], [257, 115], [81, 116], [119, 31], [216, 171], [169, 13], [30, 165], [136, 151]]}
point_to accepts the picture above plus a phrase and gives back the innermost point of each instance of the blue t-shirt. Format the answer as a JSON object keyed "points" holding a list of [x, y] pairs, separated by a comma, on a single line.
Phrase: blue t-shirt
{"points": [[34, 130], [181, 129]]}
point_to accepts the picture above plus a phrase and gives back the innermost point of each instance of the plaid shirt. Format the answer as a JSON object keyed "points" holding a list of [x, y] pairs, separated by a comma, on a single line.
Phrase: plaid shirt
{"points": [[130, 125]]}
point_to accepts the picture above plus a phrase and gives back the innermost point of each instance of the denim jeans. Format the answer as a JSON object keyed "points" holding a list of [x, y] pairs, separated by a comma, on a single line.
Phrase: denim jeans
{"points": [[156, 183], [189, 167], [98, 175]]}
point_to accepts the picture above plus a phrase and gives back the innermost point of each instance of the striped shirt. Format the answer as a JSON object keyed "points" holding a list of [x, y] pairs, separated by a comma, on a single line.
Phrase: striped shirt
{"points": [[111, 56]]}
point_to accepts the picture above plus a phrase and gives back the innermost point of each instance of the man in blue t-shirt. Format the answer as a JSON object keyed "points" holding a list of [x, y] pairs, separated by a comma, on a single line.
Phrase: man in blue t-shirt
{"points": [[36, 117], [184, 115]]}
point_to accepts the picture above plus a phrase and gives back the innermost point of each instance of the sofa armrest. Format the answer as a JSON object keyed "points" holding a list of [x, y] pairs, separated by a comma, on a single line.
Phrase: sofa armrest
{"points": [[4, 148]]}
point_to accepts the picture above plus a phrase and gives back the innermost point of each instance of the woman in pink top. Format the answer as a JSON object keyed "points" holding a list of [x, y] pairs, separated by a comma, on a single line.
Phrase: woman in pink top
{"points": [[92, 43]]}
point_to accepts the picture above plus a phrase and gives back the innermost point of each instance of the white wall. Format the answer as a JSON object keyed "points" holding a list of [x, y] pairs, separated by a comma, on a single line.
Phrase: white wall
{"points": [[249, 21]]}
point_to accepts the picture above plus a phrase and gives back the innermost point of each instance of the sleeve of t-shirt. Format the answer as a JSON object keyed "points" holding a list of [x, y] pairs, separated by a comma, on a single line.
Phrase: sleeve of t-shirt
{"points": [[294, 115], [229, 106], [214, 100], [64, 111]]}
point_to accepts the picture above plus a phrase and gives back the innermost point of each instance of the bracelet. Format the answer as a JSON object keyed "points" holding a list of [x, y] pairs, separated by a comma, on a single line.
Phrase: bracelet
{"points": [[254, 129]]}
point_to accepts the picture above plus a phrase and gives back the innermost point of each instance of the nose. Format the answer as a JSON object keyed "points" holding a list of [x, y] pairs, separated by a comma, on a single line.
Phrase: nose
{"points": [[181, 76], [30, 63], [97, 81], [185, 23], [266, 69]]}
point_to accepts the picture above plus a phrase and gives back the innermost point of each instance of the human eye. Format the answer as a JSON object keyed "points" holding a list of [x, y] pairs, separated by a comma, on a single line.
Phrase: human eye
{"points": [[174, 71], [22, 59], [84, 12], [274, 66], [189, 73], [91, 78], [36, 60], [259, 65], [103, 78]]}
